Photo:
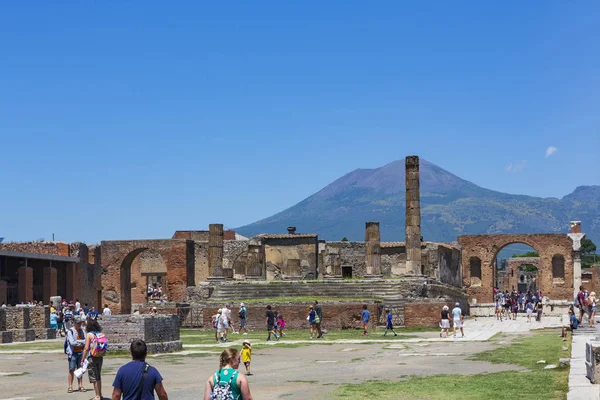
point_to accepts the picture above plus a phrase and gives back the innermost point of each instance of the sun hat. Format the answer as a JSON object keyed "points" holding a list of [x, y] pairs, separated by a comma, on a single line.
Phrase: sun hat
{"points": [[457, 304], [219, 310], [445, 308], [246, 341], [241, 304]]}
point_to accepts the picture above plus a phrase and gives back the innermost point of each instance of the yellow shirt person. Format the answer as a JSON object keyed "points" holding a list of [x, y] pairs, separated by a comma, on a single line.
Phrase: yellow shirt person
{"points": [[247, 355]]}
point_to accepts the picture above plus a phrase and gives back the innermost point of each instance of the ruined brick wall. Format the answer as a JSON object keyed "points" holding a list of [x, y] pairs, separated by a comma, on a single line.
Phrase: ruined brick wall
{"points": [[235, 254], [291, 258], [486, 248], [423, 314], [335, 315], [442, 262], [118, 257], [393, 259], [53, 248], [198, 236], [335, 255], [201, 261]]}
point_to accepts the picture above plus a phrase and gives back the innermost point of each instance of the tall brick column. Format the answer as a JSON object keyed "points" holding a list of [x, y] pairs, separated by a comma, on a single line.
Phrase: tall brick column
{"points": [[50, 284], [25, 284], [373, 253], [413, 216], [215, 251], [73, 284], [3, 292]]}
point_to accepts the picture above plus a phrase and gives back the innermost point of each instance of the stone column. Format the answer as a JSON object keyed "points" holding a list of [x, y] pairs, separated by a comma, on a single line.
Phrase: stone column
{"points": [[576, 236], [215, 252], [50, 283], [71, 282], [25, 284], [373, 249], [3, 292], [413, 216]]}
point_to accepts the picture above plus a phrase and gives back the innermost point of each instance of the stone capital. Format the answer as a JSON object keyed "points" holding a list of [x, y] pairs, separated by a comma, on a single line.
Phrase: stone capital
{"points": [[576, 238]]}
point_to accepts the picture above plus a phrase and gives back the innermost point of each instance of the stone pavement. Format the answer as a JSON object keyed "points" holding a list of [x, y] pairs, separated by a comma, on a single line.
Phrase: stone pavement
{"points": [[580, 387]]}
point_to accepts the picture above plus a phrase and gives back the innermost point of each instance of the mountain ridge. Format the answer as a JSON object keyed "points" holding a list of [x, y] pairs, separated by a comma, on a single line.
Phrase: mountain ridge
{"points": [[450, 206]]}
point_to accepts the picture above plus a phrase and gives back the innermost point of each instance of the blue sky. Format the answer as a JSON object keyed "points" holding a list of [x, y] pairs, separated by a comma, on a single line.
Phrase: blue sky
{"points": [[132, 119]]}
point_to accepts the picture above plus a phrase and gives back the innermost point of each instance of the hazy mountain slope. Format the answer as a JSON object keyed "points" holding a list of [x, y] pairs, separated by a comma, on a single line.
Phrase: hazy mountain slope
{"points": [[450, 206]]}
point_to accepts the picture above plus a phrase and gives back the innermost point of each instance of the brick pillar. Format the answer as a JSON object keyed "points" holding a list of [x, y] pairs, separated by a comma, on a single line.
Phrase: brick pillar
{"points": [[413, 216], [50, 284], [71, 281], [25, 284], [3, 294], [215, 251], [373, 251]]}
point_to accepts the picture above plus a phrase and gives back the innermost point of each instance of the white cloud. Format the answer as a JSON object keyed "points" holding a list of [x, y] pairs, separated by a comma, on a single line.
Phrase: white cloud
{"points": [[551, 150], [518, 166]]}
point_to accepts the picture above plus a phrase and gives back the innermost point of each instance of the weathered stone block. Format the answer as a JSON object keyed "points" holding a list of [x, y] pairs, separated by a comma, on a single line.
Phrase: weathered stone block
{"points": [[17, 318], [592, 361], [39, 317], [23, 335], [6, 337], [161, 332], [44, 333]]}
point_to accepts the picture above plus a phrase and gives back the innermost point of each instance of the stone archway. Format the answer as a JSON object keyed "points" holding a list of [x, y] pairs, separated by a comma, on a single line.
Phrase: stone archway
{"points": [[486, 248], [515, 272], [118, 269]]}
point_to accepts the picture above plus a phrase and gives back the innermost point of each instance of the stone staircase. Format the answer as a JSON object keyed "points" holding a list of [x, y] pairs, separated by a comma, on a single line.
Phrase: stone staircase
{"points": [[380, 290]]}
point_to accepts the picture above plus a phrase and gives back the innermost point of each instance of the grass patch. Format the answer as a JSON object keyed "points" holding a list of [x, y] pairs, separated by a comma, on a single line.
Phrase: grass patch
{"points": [[535, 384], [58, 345], [357, 359]]}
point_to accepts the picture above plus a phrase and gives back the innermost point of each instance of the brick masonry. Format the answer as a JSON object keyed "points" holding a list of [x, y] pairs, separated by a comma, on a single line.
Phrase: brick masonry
{"points": [[335, 315], [486, 248]]}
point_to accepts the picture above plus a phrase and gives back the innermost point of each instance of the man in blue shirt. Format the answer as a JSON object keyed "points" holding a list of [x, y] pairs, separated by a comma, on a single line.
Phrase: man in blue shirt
{"points": [[128, 379], [366, 315], [573, 324]]}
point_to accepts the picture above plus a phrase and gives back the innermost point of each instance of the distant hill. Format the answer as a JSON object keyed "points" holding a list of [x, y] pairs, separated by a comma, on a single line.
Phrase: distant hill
{"points": [[450, 206]]}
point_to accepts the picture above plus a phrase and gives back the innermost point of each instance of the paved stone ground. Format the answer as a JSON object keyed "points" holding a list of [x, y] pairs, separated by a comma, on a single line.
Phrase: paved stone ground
{"points": [[280, 372]]}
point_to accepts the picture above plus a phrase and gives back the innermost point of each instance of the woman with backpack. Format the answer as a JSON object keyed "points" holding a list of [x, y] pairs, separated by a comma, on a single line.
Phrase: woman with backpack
{"points": [[95, 347], [226, 382]]}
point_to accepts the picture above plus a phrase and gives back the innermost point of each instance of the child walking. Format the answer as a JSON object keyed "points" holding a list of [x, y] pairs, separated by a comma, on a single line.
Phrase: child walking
{"points": [[389, 325], [281, 325], [247, 355], [365, 316]]}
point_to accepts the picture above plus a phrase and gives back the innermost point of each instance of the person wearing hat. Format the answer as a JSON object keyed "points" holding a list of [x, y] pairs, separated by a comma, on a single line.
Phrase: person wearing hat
{"points": [[242, 315], [591, 303], [458, 319], [74, 344], [247, 355]]}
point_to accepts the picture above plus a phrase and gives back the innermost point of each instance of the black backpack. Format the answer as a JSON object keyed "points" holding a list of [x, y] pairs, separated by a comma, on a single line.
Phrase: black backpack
{"points": [[242, 313]]}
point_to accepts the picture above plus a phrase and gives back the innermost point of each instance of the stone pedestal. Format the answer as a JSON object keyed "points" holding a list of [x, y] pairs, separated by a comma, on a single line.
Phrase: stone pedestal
{"points": [[50, 284], [23, 335], [576, 236], [25, 284], [413, 216], [592, 361], [6, 337], [160, 332]]}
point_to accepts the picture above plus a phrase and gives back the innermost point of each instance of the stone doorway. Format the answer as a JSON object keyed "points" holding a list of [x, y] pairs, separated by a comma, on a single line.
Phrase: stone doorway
{"points": [[347, 271]]}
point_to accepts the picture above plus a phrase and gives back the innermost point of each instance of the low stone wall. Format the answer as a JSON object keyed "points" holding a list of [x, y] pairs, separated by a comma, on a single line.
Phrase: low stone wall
{"points": [[23, 335], [39, 317], [160, 332], [6, 337], [553, 308], [424, 314], [17, 318], [336, 315]]}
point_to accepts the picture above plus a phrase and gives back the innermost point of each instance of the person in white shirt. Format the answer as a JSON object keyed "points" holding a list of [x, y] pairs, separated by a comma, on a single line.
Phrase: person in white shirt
{"points": [[77, 306], [106, 310]]}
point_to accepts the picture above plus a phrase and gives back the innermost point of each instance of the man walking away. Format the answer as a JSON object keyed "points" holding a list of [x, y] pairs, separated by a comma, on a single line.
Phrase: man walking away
{"points": [[106, 310], [458, 319], [270, 321], [137, 380], [581, 303], [319, 319]]}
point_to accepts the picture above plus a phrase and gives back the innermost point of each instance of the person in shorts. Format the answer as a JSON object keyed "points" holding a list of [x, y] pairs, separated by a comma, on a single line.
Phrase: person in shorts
{"points": [[74, 350], [270, 322], [458, 319], [247, 355], [365, 316], [242, 314], [445, 320], [94, 363]]}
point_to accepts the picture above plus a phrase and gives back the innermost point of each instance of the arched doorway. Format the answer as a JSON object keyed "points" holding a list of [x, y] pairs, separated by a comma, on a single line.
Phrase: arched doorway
{"points": [[140, 269], [508, 259], [527, 278]]}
